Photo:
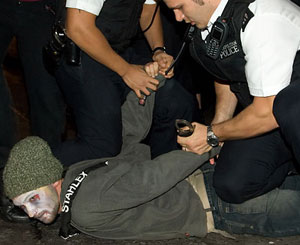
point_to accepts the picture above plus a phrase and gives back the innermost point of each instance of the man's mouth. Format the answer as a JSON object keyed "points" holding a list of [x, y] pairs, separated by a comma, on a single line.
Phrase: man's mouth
{"points": [[40, 215]]}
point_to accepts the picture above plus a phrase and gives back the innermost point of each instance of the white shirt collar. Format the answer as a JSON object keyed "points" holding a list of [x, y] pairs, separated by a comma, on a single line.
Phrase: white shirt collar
{"points": [[213, 18], [219, 10]]}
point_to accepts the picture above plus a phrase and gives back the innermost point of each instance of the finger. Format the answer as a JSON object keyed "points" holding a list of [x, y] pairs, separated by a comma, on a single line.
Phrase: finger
{"points": [[169, 75], [181, 140], [138, 93], [154, 70], [155, 66], [156, 85], [148, 70], [184, 148], [162, 61], [151, 86], [212, 161], [145, 91], [168, 61], [171, 72], [163, 64], [154, 81]]}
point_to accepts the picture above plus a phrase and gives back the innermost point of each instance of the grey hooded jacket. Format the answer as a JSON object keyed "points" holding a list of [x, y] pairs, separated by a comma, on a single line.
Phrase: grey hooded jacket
{"points": [[134, 197]]}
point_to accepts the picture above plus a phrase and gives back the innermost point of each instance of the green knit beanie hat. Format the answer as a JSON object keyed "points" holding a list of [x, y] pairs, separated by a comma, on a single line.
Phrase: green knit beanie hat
{"points": [[30, 166]]}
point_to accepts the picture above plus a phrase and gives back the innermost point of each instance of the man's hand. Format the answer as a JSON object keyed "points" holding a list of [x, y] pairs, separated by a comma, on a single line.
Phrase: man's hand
{"points": [[164, 61], [197, 141], [137, 79], [152, 69]]}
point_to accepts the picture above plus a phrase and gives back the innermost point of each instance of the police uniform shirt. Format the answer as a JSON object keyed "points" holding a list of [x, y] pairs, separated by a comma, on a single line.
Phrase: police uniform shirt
{"points": [[270, 42], [213, 18], [92, 6]]}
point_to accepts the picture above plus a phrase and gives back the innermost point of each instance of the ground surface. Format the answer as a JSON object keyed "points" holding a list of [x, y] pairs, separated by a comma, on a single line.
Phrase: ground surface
{"points": [[37, 233]]}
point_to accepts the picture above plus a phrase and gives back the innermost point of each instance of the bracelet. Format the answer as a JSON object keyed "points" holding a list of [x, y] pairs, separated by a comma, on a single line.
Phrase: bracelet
{"points": [[158, 48]]}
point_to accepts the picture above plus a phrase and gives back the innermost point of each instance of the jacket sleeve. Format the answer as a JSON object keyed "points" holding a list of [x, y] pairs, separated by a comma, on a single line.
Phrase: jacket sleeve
{"points": [[146, 180], [137, 119]]}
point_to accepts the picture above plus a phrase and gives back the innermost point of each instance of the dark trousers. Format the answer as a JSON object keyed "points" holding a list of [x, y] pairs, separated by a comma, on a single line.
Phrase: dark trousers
{"points": [[286, 110], [274, 214], [252, 167], [30, 23], [95, 94]]}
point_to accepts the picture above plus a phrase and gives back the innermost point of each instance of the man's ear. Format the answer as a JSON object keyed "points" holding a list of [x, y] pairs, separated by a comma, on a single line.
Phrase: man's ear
{"points": [[57, 185]]}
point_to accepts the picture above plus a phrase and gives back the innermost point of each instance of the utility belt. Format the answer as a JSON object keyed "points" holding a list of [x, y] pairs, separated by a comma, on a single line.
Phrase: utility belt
{"points": [[59, 47]]}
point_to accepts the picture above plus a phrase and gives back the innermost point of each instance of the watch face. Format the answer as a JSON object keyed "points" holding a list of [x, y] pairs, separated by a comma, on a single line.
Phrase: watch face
{"points": [[212, 139], [213, 142]]}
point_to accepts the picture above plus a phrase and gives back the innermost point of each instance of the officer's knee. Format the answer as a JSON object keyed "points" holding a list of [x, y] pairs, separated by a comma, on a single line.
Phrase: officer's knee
{"points": [[229, 188], [284, 107]]}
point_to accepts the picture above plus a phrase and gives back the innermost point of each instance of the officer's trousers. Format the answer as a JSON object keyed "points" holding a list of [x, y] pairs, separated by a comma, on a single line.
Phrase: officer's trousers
{"points": [[30, 23], [95, 95], [252, 167]]}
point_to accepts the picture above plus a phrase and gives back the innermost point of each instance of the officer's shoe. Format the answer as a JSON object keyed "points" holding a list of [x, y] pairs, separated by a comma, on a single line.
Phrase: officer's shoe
{"points": [[9, 212]]}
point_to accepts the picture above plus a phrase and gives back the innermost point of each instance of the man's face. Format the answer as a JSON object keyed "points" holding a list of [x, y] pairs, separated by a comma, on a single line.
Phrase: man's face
{"points": [[196, 12], [42, 204]]}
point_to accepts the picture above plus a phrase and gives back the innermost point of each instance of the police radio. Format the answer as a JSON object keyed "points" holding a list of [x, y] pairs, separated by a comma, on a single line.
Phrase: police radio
{"points": [[216, 38]]}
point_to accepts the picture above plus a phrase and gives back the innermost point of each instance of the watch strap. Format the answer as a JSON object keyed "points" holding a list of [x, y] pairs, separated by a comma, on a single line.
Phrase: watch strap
{"points": [[159, 48]]}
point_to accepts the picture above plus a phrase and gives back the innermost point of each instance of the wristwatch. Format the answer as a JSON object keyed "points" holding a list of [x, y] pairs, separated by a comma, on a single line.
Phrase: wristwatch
{"points": [[212, 139]]}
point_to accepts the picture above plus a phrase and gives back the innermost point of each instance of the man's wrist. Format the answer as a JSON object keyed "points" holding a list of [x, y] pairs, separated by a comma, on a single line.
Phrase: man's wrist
{"points": [[162, 49]]}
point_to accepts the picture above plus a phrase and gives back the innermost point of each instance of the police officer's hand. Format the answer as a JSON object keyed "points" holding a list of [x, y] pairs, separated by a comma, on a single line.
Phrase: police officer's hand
{"points": [[197, 141], [138, 80], [164, 61]]}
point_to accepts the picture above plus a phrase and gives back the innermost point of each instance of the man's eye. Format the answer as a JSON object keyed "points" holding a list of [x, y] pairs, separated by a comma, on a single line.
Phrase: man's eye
{"points": [[33, 198]]}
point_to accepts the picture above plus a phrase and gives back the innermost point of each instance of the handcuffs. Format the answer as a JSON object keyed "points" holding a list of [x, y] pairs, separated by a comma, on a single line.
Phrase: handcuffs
{"points": [[184, 127]]}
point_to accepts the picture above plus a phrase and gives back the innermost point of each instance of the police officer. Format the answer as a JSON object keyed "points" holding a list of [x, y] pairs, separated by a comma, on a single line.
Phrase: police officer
{"points": [[30, 21], [96, 89], [252, 48]]}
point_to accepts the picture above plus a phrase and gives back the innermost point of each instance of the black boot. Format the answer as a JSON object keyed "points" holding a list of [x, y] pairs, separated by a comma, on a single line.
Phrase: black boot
{"points": [[8, 211]]}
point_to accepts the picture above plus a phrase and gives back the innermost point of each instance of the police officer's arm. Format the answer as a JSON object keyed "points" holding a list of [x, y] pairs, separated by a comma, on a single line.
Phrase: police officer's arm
{"points": [[81, 28], [154, 37], [226, 102], [254, 120]]}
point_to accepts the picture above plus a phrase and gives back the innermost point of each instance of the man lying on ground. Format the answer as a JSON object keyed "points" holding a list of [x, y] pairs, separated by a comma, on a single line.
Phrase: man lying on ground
{"points": [[133, 197]]}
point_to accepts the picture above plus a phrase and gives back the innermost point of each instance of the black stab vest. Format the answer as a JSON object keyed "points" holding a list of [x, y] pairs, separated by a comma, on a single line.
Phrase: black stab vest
{"points": [[230, 65], [119, 22]]}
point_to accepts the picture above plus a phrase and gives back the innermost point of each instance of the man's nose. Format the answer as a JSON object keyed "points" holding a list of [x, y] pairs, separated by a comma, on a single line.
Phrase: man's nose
{"points": [[30, 211], [179, 16]]}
